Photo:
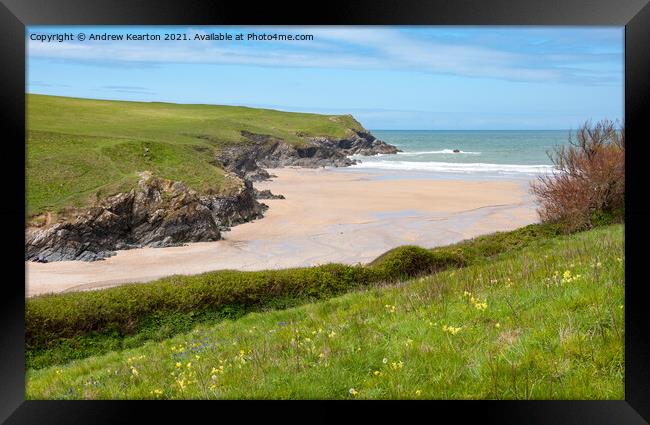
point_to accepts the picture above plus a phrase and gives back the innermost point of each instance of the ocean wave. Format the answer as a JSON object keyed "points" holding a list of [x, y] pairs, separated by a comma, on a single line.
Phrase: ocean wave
{"points": [[457, 167], [443, 151]]}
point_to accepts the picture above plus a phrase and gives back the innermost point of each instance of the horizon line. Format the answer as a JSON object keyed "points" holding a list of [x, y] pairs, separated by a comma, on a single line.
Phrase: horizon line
{"points": [[470, 129]]}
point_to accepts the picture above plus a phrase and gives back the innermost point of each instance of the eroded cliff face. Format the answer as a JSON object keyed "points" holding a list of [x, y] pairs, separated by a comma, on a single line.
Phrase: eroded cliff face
{"points": [[263, 151], [157, 213]]}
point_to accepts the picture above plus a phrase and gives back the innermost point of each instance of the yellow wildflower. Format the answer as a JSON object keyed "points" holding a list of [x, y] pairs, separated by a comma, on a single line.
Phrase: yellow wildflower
{"points": [[396, 365], [480, 306], [451, 329], [353, 392]]}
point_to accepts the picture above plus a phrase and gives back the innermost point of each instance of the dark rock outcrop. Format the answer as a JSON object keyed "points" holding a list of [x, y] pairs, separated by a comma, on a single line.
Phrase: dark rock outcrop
{"points": [[363, 143], [157, 213], [266, 194], [263, 151]]}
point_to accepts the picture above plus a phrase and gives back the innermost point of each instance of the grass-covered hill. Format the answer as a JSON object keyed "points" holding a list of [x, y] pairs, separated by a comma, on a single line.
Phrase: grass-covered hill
{"points": [[79, 150], [528, 314]]}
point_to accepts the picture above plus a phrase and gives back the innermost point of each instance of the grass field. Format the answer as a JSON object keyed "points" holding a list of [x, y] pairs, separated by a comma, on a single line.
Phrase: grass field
{"points": [[544, 322], [81, 149]]}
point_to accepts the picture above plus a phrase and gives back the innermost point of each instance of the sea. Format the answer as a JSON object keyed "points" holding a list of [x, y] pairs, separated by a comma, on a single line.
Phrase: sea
{"points": [[481, 153]]}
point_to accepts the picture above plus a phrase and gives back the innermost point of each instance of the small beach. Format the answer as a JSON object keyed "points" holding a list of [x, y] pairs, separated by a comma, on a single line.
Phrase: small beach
{"points": [[329, 215]]}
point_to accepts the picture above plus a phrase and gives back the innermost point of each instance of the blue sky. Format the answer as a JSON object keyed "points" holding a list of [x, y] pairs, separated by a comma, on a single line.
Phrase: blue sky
{"points": [[387, 77]]}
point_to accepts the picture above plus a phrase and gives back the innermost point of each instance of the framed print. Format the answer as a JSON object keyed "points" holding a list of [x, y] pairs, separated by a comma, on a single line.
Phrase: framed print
{"points": [[423, 201]]}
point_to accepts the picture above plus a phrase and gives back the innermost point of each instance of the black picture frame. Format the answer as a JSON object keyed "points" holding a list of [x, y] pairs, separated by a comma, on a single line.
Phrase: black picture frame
{"points": [[633, 14]]}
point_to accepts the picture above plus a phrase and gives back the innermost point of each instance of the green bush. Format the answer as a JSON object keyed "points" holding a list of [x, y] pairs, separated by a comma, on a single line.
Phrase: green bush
{"points": [[405, 261], [122, 309], [604, 218], [487, 246]]}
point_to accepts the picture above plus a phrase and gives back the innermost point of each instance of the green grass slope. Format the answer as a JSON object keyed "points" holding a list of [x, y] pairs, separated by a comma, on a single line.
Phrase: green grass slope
{"points": [[81, 149], [544, 322], [67, 326]]}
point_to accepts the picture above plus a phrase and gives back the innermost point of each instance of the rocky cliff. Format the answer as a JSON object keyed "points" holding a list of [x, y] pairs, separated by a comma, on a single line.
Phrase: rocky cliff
{"points": [[248, 160], [157, 213]]}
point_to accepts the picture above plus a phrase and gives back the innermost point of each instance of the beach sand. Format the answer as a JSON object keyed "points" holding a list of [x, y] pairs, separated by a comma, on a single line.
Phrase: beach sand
{"points": [[327, 216]]}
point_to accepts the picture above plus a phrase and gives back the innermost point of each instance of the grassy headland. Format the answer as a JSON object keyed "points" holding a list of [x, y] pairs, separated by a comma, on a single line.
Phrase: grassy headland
{"points": [[79, 150], [544, 321]]}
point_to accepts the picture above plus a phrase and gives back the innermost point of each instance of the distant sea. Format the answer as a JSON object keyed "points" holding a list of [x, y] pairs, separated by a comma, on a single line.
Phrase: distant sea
{"points": [[507, 153]]}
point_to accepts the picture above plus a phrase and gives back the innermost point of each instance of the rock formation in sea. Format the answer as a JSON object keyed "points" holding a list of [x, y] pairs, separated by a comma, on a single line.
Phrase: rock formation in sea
{"points": [[248, 160]]}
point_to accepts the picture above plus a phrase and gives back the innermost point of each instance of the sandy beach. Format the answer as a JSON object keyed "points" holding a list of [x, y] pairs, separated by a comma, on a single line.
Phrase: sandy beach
{"points": [[327, 216]]}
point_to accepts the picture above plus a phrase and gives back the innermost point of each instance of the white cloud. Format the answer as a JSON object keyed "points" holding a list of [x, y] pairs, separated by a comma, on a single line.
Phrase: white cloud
{"points": [[333, 47]]}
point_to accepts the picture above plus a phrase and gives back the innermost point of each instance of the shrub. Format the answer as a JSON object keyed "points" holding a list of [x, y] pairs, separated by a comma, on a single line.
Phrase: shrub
{"points": [[123, 309], [487, 246], [588, 186], [412, 260]]}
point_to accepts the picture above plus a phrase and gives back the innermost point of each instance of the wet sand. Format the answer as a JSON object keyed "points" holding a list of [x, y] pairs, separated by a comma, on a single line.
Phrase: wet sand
{"points": [[327, 216]]}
